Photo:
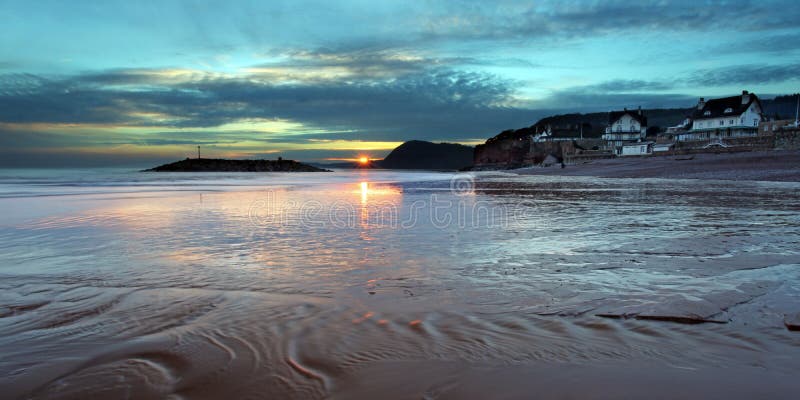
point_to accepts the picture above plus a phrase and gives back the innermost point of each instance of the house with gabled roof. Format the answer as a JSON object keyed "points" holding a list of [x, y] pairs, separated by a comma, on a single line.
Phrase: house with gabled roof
{"points": [[568, 132], [624, 127], [735, 116]]}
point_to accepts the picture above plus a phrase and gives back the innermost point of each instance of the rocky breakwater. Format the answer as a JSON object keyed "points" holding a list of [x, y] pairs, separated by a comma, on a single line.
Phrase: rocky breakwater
{"points": [[222, 165]]}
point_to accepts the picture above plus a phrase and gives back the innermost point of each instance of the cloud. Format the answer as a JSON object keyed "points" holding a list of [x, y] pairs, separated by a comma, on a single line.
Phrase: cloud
{"points": [[585, 19], [581, 101], [627, 86], [8, 65], [616, 94], [772, 45], [360, 63], [673, 93], [746, 74], [20, 84], [366, 62], [410, 99]]}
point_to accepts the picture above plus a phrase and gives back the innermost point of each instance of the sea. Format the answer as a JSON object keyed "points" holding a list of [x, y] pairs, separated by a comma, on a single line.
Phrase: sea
{"points": [[116, 283]]}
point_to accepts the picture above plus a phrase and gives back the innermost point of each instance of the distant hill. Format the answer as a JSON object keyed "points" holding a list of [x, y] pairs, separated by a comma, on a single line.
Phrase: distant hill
{"points": [[781, 107], [417, 154], [222, 165]]}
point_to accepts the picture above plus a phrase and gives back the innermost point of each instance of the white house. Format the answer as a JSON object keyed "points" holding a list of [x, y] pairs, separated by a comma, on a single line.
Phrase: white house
{"points": [[682, 127], [636, 149], [624, 127], [564, 133], [734, 116]]}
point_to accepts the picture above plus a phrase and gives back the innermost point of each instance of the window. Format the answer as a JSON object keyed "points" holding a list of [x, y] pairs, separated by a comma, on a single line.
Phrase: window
{"points": [[755, 122], [721, 122], [730, 122], [707, 113], [728, 110]]}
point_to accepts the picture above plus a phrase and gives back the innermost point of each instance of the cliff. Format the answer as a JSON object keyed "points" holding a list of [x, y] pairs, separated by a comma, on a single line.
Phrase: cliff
{"points": [[222, 165], [417, 154], [512, 148], [502, 153]]}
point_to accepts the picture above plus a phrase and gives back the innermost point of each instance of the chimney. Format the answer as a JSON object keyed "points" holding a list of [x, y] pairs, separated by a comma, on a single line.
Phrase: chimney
{"points": [[701, 103], [640, 110], [745, 97]]}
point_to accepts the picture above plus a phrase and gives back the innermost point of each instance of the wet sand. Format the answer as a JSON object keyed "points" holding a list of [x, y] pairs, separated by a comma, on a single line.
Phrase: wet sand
{"points": [[607, 289], [756, 166], [415, 380]]}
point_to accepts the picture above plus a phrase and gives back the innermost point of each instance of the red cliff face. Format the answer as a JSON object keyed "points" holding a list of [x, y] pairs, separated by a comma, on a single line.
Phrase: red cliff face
{"points": [[508, 153], [515, 153], [519, 152], [540, 151]]}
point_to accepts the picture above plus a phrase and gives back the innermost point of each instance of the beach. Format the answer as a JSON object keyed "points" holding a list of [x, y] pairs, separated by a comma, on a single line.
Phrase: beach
{"points": [[780, 165], [365, 284]]}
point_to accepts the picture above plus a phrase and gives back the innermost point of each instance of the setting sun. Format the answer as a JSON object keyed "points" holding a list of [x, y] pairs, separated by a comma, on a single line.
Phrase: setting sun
{"points": [[363, 160]]}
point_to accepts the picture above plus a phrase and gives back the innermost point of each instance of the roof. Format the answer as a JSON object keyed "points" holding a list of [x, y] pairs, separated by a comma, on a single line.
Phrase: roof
{"points": [[717, 107], [613, 116]]}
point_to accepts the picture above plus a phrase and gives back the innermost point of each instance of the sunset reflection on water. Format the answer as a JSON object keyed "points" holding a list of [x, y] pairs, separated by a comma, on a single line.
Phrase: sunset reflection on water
{"points": [[380, 205], [242, 229]]}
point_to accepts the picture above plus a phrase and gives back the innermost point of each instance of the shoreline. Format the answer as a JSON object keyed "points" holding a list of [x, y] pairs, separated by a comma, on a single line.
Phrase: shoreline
{"points": [[776, 166]]}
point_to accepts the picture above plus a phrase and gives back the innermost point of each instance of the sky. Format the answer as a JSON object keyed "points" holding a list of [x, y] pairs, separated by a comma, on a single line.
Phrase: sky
{"points": [[117, 83]]}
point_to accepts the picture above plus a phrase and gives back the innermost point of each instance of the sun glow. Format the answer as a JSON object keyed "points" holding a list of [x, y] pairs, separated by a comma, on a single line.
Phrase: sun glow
{"points": [[363, 160]]}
